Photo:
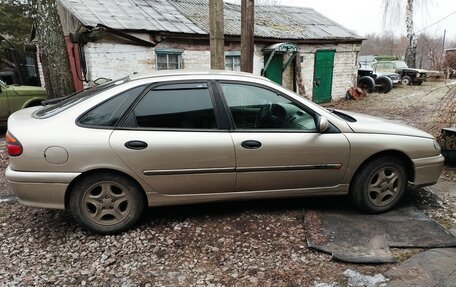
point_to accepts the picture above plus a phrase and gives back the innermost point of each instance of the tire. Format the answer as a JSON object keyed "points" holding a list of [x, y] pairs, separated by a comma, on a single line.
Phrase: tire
{"points": [[383, 85], [406, 80], [379, 185], [106, 203], [366, 83]]}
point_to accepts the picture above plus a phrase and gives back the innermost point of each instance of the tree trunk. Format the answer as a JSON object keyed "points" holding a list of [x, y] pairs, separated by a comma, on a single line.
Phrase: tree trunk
{"points": [[52, 48], [410, 53]]}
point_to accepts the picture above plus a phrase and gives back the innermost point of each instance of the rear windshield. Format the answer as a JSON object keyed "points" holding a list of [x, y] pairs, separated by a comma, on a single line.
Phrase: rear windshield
{"points": [[69, 101]]}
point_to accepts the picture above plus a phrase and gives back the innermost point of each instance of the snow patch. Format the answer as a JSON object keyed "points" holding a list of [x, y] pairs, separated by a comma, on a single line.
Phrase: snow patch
{"points": [[357, 279]]}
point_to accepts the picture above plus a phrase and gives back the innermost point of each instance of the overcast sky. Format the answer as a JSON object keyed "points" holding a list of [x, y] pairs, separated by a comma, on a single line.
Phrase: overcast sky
{"points": [[366, 16]]}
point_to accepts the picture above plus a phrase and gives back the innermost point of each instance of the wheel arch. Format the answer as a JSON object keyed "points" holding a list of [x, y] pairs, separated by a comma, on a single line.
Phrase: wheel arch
{"points": [[100, 170], [408, 164]]}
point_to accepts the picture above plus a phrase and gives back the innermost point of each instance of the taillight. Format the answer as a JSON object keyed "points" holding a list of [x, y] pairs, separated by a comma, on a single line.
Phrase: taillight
{"points": [[13, 146]]}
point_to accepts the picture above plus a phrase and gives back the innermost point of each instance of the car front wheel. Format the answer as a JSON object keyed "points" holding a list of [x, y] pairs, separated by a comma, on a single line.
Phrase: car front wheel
{"points": [[379, 185], [106, 203], [406, 80]]}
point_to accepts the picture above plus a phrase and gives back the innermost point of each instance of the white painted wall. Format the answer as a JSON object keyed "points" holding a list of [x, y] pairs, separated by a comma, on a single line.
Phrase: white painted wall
{"points": [[115, 60]]}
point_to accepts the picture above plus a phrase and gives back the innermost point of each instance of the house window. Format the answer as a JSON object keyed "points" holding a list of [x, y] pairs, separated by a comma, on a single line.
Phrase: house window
{"points": [[233, 61], [169, 59]]}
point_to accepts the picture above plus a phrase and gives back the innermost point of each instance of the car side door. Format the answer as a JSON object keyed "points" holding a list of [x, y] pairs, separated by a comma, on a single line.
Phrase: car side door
{"points": [[173, 141], [277, 143]]}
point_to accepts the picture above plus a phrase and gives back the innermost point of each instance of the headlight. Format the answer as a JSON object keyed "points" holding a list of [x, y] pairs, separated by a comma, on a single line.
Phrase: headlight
{"points": [[436, 145]]}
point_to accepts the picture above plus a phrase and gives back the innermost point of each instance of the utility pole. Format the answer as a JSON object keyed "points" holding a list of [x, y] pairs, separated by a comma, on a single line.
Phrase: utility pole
{"points": [[247, 35], [217, 34]]}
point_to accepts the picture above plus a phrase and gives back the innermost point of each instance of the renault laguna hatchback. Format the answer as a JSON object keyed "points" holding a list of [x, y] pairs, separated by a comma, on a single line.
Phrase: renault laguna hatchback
{"points": [[188, 137]]}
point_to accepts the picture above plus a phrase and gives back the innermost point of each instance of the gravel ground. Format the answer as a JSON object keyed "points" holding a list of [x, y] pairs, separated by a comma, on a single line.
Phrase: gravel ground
{"points": [[257, 243]]}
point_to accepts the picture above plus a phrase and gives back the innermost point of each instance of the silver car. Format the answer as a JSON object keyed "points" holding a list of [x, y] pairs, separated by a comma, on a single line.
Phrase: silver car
{"points": [[176, 138]]}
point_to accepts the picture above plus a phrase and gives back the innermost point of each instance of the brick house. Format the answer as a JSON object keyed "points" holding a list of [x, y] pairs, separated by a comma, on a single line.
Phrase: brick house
{"points": [[294, 46]]}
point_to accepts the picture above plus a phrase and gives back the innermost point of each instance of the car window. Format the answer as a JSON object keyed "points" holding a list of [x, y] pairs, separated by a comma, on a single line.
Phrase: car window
{"points": [[389, 66], [109, 112], [253, 107], [176, 106]]}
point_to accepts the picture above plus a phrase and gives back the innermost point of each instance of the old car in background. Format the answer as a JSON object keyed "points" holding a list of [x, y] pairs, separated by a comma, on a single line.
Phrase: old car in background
{"points": [[376, 82], [186, 137], [16, 97], [408, 75]]}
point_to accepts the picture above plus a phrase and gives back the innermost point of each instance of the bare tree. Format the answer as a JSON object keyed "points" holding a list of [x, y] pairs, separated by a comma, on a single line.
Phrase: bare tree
{"points": [[393, 13]]}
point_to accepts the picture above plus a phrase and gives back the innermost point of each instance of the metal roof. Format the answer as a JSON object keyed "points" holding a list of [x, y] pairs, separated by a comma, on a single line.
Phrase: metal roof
{"points": [[192, 16], [148, 15], [280, 22]]}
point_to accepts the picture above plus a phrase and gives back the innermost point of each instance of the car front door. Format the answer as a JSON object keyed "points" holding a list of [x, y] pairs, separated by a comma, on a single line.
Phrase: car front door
{"points": [[171, 140], [277, 143]]}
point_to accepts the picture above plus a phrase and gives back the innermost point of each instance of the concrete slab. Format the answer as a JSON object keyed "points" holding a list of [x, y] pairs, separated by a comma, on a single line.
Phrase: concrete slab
{"points": [[364, 238], [435, 267]]}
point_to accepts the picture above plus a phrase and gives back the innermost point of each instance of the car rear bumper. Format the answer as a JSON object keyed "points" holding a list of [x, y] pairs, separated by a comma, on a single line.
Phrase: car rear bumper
{"points": [[40, 189], [427, 170]]}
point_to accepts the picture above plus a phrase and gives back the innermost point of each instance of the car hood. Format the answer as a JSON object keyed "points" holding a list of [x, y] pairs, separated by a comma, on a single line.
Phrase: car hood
{"points": [[376, 125]]}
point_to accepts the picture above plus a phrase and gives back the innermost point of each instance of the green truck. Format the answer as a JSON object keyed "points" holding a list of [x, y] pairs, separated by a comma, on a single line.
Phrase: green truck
{"points": [[16, 97]]}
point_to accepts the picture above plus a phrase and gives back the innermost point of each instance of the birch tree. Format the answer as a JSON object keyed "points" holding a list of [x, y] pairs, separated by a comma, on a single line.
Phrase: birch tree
{"points": [[394, 12], [52, 48]]}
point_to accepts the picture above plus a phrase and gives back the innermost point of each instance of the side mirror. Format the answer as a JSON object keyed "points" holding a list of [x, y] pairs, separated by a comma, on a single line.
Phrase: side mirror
{"points": [[322, 124]]}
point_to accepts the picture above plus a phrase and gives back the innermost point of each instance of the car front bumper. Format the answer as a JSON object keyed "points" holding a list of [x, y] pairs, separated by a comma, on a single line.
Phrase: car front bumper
{"points": [[40, 189], [427, 170]]}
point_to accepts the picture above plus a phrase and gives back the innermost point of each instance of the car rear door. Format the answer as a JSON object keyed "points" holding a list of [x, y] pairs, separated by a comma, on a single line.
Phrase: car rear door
{"points": [[276, 142], [171, 139]]}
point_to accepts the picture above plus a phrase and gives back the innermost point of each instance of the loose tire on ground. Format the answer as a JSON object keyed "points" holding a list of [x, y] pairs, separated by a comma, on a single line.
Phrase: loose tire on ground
{"points": [[383, 85], [106, 203], [406, 80], [366, 83], [379, 185]]}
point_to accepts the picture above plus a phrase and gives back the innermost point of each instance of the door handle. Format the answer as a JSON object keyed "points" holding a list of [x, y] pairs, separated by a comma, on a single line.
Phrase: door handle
{"points": [[251, 144], [136, 145]]}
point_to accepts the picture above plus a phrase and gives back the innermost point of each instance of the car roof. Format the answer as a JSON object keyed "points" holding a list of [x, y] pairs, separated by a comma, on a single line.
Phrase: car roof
{"points": [[209, 73]]}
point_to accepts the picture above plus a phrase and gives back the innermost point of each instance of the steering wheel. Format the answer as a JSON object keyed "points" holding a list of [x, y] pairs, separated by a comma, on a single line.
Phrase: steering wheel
{"points": [[264, 116]]}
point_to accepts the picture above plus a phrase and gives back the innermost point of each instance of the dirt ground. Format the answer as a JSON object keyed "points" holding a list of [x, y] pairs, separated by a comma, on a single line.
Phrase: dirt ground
{"points": [[253, 243]]}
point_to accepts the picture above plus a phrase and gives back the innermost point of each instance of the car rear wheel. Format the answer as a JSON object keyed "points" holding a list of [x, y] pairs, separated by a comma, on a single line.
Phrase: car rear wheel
{"points": [[406, 80], [379, 185], [383, 84], [106, 203]]}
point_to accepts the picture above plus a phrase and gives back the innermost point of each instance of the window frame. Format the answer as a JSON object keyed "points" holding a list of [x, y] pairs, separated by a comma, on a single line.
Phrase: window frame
{"points": [[212, 95], [78, 123], [233, 54], [233, 128], [167, 53]]}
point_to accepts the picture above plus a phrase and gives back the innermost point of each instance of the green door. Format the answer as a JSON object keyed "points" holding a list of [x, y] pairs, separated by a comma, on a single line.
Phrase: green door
{"points": [[323, 75], [274, 69]]}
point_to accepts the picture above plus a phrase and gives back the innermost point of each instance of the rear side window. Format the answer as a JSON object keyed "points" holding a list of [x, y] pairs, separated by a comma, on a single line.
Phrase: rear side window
{"points": [[55, 106], [109, 112], [176, 106]]}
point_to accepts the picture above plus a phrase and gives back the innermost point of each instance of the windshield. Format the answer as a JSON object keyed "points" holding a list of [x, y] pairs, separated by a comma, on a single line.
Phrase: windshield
{"points": [[401, 65], [69, 101]]}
